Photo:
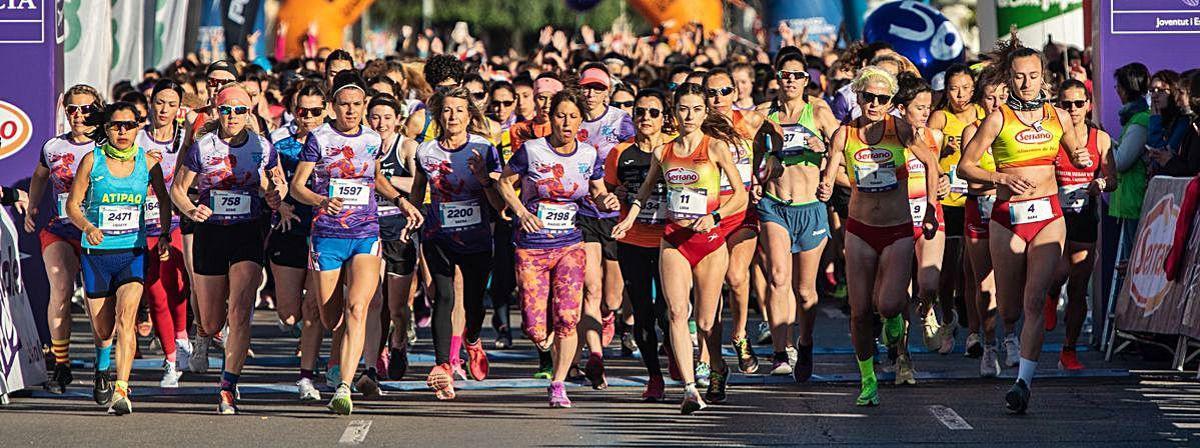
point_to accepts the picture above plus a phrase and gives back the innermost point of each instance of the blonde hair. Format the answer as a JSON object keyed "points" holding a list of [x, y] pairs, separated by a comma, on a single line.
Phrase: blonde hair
{"points": [[874, 73]]}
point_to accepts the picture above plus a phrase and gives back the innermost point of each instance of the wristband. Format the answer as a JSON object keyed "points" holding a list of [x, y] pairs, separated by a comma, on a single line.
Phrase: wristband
{"points": [[637, 202], [716, 215]]}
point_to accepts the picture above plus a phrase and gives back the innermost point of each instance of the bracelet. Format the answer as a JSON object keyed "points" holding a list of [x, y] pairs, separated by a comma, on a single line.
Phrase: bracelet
{"points": [[637, 202], [716, 215]]}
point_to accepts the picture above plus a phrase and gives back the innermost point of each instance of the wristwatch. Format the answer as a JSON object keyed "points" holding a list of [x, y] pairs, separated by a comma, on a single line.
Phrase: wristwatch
{"points": [[716, 215]]}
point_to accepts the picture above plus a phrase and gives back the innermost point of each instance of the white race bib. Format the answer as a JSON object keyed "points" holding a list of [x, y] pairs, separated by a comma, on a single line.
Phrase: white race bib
{"points": [[872, 177], [1034, 210], [350, 191], [384, 207], [687, 202], [230, 203], [1073, 197], [795, 141], [917, 207], [985, 206], [557, 217], [460, 214], [652, 211], [152, 209], [958, 185], [119, 218], [62, 205]]}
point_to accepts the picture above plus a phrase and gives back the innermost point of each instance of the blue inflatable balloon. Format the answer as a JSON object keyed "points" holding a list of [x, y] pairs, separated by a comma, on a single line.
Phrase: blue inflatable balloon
{"points": [[919, 32], [582, 5]]}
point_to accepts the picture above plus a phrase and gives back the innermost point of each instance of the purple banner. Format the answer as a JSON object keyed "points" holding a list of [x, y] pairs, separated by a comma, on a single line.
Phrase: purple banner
{"points": [[1158, 33], [31, 47]]}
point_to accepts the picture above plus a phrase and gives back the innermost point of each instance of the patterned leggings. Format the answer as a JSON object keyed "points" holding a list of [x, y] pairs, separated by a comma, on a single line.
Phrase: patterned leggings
{"points": [[539, 270]]}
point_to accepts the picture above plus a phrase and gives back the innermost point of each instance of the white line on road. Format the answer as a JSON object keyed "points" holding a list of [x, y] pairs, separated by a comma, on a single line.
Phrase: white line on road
{"points": [[356, 432], [949, 418]]}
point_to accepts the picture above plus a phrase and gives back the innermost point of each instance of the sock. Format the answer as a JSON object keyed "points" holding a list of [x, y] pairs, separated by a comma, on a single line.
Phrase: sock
{"points": [[1025, 371], [181, 334], [61, 350], [455, 348], [866, 369], [307, 374], [229, 381], [103, 358], [171, 358]]}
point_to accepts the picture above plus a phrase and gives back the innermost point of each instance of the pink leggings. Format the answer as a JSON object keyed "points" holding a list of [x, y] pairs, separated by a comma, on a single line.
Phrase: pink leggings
{"points": [[164, 292], [539, 270]]}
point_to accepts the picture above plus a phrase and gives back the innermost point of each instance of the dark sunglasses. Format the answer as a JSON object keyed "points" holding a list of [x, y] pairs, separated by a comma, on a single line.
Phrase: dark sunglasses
{"points": [[235, 110], [643, 111], [85, 109], [504, 103], [1078, 104], [123, 125], [479, 96], [309, 111], [868, 97], [786, 74], [218, 83], [621, 104], [719, 92]]}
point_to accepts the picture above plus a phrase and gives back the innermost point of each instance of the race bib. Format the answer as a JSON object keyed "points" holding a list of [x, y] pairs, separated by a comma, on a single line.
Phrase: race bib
{"points": [[917, 208], [795, 142], [652, 211], [684, 202], [985, 206], [1035, 210], [62, 205], [230, 203], [460, 214], [152, 208], [873, 178], [557, 218], [1073, 197], [384, 207], [958, 185], [119, 218], [350, 191]]}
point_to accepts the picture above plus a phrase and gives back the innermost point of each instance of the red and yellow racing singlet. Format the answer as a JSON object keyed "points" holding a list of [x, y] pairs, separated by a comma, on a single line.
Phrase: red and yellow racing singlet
{"points": [[1020, 144], [879, 167], [693, 182]]}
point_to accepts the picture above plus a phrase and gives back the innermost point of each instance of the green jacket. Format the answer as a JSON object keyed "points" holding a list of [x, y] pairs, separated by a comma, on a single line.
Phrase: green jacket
{"points": [[1126, 201]]}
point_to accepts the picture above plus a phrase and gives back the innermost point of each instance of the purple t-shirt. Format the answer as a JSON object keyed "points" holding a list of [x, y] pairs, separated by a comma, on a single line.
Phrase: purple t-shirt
{"points": [[230, 177], [457, 214], [61, 156], [554, 187], [345, 168], [604, 133]]}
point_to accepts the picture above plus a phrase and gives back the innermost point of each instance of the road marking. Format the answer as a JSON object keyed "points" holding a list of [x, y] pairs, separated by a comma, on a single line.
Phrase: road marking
{"points": [[949, 418], [355, 432]]}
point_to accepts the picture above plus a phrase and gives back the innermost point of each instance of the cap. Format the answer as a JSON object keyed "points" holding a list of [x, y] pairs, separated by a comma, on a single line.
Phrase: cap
{"points": [[221, 66], [595, 75]]}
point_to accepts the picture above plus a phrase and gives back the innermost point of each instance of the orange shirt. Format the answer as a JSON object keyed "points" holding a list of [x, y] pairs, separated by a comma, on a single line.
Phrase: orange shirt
{"points": [[628, 165], [524, 131]]}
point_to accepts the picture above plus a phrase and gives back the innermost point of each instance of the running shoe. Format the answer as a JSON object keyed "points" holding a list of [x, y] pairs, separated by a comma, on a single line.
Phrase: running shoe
{"points": [[171, 375], [120, 401], [792, 355], [655, 389], [692, 333], [504, 339], [412, 332], [702, 374], [869, 396], [1012, 351], [780, 364], [183, 354], [1017, 398], [60, 379], [1068, 360], [839, 292], [477, 362], [1050, 312], [947, 333], [904, 370], [227, 405], [717, 384], [397, 363], [545, 366], [608, 329], [691, 401], [333, 376], [340, 404], [102, 387], [459, 371], [764, 334], [802, 371], [628, 346], [595, 372], [368, 384], [441, 380], [198, 362], [974, 346], [989, 365], [558, 395], [930, 331], [893, 330], [308, 392], [747, 360]]}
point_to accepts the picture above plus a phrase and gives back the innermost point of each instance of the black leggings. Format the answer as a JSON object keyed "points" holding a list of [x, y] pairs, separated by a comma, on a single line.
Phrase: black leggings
{"points": [[639, 267], [475, 269], [504, 278]]}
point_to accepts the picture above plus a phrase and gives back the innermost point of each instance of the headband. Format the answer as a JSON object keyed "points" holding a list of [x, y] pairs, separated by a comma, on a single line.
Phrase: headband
{"points": [[547, 85]]}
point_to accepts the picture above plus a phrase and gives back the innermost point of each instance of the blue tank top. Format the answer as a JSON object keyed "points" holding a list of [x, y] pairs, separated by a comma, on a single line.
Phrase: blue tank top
{"points": [[116, 204]]}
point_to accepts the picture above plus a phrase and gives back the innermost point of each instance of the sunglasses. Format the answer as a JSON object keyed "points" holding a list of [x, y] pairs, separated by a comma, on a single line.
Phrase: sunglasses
{"points": [[621, 104], [123, 125], [1078, 104], [235, 110], [504, 103], [869, 97], [643, 111], [218, 83], [479, 96], [309, 111], [85, 109], [719, 92], [786, 74], [1160, 90]]}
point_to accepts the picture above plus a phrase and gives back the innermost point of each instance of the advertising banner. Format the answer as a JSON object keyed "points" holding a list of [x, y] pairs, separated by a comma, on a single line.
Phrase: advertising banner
{"points": [[170, 24], [88, 59], [1148, 302], [819, 18], [1190, 279], [128, 35], [331, 17], [21, 360], [1037, 21]]}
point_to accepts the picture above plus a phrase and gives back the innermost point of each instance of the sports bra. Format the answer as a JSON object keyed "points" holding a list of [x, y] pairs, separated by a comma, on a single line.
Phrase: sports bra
{"points": [[1020, 144]]}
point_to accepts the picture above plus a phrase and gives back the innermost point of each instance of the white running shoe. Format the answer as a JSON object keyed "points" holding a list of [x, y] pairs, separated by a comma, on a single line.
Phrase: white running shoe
{"points": [[792, 355], [1012, 351], [171, 375], [989, 364], [307, 391], [183, 354], [198, 361]]}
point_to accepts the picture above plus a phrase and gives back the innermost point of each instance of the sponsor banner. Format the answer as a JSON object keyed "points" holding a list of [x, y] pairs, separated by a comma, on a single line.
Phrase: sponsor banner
{"points": [[1147, 301], [1190, 278], [170, 24], [128, 53], [87, 58], [1036, 20], [21, 359], [820, 18]]}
